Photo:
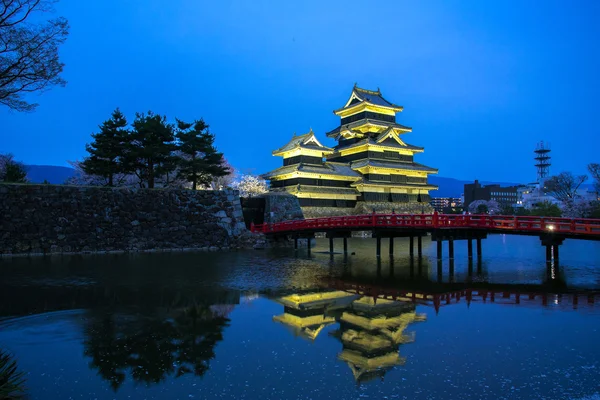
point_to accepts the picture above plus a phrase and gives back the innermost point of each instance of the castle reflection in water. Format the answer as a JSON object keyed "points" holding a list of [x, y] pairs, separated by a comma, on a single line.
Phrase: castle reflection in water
{"points": [[371, 330]]}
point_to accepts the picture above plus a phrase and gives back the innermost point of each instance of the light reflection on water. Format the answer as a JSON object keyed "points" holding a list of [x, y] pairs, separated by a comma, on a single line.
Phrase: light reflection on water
{"points": [[274, 324]]}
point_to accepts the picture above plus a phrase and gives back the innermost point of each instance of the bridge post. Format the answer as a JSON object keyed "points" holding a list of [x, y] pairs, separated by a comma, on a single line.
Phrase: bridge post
{"points": [[451, 248], [295, 242], [331, 244], [555, 254], [470, 248], [419, 247], [378, 246], [411, 246], [391, 246], [548, 254], [451, 270], [470, 267], [439, 270], [308, 245], [479, 248], [345, 245], [439, 249]]}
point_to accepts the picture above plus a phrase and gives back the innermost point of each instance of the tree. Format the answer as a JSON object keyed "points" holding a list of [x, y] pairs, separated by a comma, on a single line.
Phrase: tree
{"points": [[200, 161], [12, 171], [107, 149], [221, 182], [546, 209], [595, 172], [563, 186], [482, 209], [29, 59], [250, 185], [149, 150], [12, 381]]}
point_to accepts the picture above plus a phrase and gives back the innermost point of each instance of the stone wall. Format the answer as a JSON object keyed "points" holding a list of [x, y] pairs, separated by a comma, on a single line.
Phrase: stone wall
{"points": [[44, 219], [367, 208], [281, 207]]}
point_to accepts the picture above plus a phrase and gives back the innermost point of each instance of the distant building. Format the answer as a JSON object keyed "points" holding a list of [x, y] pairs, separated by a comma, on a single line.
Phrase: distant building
{"points": [[505, 196], [447, 204]]}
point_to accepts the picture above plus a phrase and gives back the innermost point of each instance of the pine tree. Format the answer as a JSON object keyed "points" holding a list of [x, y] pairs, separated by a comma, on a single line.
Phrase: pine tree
{"points": [[107, 149], [149, 153], [200, 161], [12, 171]]}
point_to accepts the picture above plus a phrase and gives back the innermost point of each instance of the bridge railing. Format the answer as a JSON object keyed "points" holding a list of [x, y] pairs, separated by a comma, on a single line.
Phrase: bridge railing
{"points": [[579, 226]]}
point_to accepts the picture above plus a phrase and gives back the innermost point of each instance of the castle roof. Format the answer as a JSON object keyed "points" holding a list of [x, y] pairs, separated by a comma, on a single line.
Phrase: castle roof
{"points": [[392, 165], [328, 168], [364, 181], [373, 97], [306, 141], [385, 143], [386, 124]]}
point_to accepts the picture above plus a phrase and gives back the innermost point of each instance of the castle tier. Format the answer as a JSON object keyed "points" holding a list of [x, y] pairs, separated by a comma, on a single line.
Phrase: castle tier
{"points": [[370, 165]]}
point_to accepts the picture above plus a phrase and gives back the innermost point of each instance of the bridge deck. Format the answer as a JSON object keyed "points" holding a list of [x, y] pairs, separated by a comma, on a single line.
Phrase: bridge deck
{"points": [[583, 228]]}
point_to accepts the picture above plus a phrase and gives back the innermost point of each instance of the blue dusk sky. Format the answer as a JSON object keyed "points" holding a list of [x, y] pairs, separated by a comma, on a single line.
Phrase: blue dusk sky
{"points": [[481, 82]]}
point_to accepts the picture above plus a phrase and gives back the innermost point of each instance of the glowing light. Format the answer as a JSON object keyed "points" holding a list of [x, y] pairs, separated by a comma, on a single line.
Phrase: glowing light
{"points": [[550, 227]]}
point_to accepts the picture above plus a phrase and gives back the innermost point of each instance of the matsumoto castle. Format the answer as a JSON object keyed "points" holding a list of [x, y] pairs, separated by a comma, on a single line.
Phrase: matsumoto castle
{"points": [[370, 169]]}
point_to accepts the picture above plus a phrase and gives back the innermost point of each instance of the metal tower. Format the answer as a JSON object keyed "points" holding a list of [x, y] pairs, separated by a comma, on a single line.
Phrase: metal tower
{"points": [[542, 158]]}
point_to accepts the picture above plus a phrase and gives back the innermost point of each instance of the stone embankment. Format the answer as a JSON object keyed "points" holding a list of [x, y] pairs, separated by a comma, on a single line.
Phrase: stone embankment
{"points": [[53, 219]]}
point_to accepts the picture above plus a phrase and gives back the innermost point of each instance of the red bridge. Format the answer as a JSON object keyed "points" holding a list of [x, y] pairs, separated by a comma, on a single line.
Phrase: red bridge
{"points": [[442, 227]]}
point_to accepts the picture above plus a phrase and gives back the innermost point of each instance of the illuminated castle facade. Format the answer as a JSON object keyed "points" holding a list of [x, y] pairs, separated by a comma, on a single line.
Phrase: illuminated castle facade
{"points": [[370, 168]]}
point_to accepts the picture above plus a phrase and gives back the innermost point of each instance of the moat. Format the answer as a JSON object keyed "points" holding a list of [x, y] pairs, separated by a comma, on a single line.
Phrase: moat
{"points": [[274, 324]]}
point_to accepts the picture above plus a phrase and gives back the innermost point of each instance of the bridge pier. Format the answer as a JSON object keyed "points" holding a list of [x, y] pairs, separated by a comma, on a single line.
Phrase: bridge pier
{"points": [[552, 242], [419, 247], [470, 248], [451, 249], [439, 249], [296, 243], [378, 246], [345, 245], [411, 246], [331, 245], [391, 246], [451, 271], [479, 248]]}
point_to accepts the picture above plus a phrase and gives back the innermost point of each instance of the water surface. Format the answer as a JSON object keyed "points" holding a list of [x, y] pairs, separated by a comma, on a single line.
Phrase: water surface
{"points": [[278, 325]]}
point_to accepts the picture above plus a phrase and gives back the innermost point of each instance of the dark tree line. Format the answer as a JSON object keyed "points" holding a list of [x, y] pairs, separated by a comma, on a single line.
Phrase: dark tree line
{"points": [[153, 149], [12, 171]]}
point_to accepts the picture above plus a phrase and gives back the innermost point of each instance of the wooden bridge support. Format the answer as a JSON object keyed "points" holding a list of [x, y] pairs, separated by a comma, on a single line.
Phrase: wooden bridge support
{"points": [[345, 245], [479, 248], [451, 270], [296, 243], [451, 249], [439, 249], [552, 242], [419, 247], [331, 245], [411, 246], [391, 246], [378, 246], [470, 249]]}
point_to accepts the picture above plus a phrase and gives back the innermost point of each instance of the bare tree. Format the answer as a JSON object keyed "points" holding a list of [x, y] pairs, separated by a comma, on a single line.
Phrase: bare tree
{"points": [[595, 172], [563, 186], [29, 59]]}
